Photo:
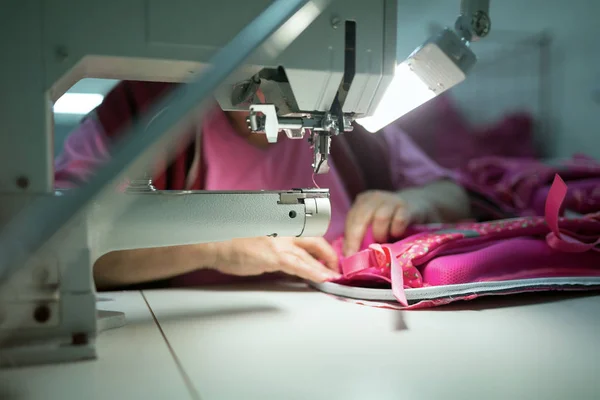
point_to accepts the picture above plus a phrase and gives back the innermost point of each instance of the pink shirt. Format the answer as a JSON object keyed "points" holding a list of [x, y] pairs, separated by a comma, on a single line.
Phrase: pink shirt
{"points": [[233, 164]]}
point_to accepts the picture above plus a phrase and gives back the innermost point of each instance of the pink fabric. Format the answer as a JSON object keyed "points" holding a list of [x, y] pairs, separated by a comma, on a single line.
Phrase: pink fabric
{"points": [[529, 258], [233, 164], [475, 252], [520, 186]]}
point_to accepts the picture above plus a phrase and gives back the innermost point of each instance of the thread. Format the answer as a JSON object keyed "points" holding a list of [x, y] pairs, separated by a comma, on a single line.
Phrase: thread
{"points": [[314, 181]]}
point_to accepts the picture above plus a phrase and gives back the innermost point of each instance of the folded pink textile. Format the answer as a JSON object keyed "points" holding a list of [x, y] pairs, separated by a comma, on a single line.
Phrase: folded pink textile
{"points": [[502, 187]]}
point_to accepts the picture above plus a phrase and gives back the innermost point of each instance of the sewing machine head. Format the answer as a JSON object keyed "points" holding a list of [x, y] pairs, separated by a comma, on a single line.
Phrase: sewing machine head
{"points": [[276, 103]]}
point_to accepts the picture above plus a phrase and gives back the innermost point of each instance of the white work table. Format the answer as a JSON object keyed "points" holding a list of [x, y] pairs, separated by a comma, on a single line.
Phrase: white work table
{"points": [[275, 342], [134, 363]]}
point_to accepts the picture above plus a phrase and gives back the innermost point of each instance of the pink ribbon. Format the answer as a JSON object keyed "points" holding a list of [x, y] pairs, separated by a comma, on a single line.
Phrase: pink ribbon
{"points": [[562, 239], [397, 277], [380, 257]]}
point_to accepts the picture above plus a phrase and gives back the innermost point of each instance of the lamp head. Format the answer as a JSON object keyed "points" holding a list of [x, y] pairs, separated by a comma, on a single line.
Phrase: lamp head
{"points": [[439, 64]]}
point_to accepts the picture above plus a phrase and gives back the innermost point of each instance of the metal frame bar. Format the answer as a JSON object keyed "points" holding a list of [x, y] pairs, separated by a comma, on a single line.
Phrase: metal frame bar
{"points": [[274, 29]]}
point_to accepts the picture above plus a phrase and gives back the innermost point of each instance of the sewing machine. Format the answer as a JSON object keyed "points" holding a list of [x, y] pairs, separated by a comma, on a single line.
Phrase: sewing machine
{"points": [[321, 65]]}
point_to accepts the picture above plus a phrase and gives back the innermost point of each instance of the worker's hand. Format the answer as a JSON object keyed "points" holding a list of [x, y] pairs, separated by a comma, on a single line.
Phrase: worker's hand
{"points": [[294, 256], [388, 213]]}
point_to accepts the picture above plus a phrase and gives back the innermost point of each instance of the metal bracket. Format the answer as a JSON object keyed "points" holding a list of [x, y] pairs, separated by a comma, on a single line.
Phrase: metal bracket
{"points": [[297, 196], [316, 207], [474, 22], [140, 186], [269, 124]]}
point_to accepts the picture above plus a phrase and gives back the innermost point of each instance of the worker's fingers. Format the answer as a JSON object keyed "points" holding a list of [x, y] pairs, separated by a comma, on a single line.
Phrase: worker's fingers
{"points": [[400, 222], [312, 264], [358, 220], [293, 264], [321, 250], [298, 262], [382, 219]]}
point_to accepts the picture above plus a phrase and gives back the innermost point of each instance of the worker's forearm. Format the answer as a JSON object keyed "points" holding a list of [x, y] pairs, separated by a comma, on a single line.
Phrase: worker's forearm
{"points": [[444, 201], [128, 267]]}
